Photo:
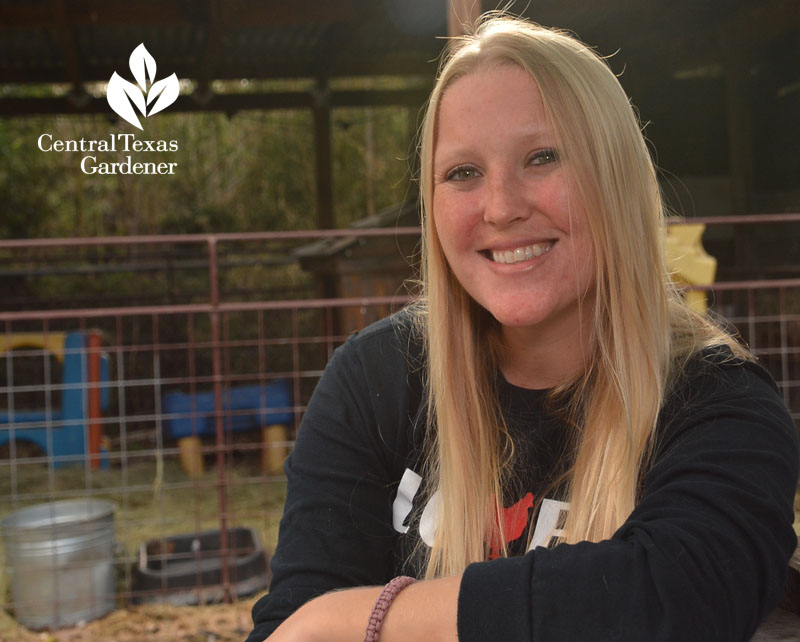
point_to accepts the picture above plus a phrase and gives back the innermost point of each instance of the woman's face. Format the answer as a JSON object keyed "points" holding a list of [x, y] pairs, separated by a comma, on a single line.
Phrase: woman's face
{"points": [[512, 231]]}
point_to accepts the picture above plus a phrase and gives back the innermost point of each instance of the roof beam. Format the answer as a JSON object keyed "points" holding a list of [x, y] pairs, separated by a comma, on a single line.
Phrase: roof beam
{"points": [[226, 103], [419, 63]]}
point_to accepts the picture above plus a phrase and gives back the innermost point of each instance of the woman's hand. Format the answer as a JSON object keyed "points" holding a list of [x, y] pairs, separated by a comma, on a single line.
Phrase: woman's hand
{"points": [[424, 612]]}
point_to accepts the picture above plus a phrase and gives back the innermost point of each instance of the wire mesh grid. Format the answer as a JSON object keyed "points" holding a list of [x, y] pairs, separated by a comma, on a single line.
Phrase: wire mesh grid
{"points": [[178, 407], [177, 398]]}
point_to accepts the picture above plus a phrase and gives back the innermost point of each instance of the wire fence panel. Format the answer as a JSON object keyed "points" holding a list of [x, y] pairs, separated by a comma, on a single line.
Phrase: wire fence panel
{"points": [[169, 375]]}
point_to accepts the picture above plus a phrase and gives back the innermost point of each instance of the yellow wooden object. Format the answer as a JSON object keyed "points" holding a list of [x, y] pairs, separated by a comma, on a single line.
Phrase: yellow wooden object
{"points": [[53, 342], [191, 454], [688, 262], [274, 449]]}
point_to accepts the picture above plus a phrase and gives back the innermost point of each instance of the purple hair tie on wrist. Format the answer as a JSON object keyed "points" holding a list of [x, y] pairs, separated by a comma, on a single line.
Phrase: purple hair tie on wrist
{"points": [[382, 605]]}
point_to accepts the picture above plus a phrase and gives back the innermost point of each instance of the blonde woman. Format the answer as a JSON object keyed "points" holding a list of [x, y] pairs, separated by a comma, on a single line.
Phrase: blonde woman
{"points": [[551, 442]]}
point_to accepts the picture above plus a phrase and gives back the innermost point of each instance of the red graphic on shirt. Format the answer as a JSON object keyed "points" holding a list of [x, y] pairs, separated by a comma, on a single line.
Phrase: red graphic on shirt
{"points": [[515, 519]]}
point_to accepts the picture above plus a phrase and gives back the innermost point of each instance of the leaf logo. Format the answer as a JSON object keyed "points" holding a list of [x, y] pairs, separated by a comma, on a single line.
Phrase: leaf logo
{"points": [[121, 94]]}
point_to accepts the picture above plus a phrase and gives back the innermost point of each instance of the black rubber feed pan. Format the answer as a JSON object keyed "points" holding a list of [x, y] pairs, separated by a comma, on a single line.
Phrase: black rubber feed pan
{"points": [[187, 569]]}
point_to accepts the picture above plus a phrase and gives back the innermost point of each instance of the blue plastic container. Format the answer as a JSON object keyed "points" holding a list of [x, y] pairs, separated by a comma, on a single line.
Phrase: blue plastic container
{"points": [[244, 408]]}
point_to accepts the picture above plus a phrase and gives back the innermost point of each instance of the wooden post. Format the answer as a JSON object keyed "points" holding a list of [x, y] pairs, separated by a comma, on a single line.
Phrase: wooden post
{"points": [[369, 159], [322, 153], [191, 456], [461, 16], [740, 135], [741, 152], [321, 95], [412, 115], [274, 449]]}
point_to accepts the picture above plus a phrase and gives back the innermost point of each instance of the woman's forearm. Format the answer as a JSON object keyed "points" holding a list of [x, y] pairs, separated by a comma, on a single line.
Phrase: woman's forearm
{"points": [[424, 612]]}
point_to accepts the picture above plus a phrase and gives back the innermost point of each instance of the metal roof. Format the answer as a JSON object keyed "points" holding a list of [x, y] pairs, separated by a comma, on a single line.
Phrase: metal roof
{"points": [[79, 41], [73, 41], [87, 40]]}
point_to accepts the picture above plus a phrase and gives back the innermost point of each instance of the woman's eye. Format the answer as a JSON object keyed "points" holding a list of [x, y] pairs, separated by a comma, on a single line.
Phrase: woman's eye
{"points": [[543, 157], [461, 173]]}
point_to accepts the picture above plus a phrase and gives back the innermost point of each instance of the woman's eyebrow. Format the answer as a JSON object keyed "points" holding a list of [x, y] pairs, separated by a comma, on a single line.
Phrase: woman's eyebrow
{"points": [[534, 139]]}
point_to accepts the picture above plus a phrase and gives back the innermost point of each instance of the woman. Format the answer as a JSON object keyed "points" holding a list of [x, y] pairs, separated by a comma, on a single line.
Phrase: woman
{"points": [[552, 441]]}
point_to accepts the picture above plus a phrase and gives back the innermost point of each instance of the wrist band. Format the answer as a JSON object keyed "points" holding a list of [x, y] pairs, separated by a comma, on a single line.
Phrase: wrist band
{"points": [[382, 604]]}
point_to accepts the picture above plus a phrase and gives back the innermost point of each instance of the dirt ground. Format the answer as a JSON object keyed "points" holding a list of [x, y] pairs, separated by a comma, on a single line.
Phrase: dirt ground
{"points": [[153, 623]]}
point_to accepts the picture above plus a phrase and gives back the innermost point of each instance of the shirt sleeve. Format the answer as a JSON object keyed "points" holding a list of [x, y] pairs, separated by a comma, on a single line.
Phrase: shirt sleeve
{"points": [[703, 557], [336, 528]]}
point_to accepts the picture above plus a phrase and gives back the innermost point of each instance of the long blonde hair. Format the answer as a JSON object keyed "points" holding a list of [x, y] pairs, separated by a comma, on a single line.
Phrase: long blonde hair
{"points": [[642, 328]]}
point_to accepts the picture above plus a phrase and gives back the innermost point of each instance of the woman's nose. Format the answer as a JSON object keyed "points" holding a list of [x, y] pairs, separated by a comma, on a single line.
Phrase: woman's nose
{"points": [[505, 201]]}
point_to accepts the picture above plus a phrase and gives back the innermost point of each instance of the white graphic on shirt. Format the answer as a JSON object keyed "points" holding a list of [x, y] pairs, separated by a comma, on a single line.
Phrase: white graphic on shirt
{"points": [[551, 514], [547, 529], [403, 504], [429, 521], [401, 508]]}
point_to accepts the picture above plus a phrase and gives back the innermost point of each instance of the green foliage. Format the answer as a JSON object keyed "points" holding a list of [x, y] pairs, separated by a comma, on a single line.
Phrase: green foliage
{"points": [[29, 181], [253, 171], [371, 160]]}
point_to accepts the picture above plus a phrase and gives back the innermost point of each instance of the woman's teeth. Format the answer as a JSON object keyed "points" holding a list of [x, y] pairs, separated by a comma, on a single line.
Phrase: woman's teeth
{"points": [[521, 253]]}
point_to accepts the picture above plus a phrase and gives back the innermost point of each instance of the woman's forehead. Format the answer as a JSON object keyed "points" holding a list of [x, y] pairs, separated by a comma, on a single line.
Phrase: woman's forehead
{"points": [[490, 103]]}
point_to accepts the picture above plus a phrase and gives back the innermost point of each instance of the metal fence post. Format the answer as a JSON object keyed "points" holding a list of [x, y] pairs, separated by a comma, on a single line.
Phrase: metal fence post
{"points": [[222, 478]]}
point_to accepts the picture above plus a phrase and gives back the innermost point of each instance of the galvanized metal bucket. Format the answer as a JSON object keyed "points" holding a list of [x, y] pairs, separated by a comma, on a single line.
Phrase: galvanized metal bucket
{"points": [[61, 558]]}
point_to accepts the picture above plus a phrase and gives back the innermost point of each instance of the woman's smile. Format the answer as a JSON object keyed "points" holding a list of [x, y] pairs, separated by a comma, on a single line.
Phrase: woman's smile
{"points": [[519, 254]]}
